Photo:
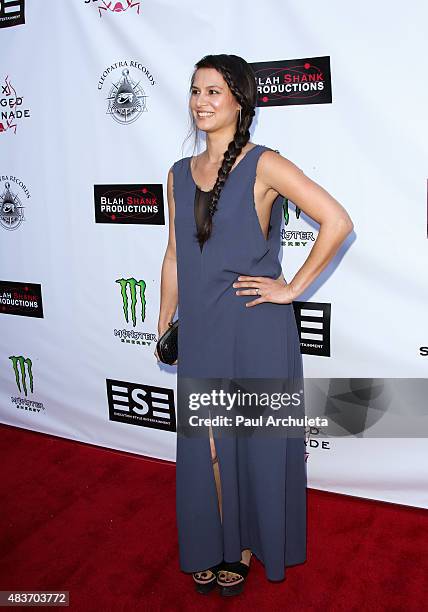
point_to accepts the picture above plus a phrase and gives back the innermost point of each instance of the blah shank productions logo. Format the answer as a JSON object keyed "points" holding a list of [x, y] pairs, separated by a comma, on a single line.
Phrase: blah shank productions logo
{"points": [[134, 204], [133, 296], [296, 81], [22, 299], [23, 373], [313, 324], [11, 207], [139, 404], [11, 107], [115, 6], [12, 13], [126, 98]]}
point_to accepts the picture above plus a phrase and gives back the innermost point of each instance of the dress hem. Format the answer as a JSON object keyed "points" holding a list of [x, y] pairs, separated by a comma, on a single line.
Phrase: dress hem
{"points": [[255, 554]]}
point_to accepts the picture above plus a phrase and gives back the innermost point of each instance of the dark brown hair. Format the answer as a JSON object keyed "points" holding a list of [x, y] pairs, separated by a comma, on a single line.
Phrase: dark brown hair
{"points": [[240, 79]]}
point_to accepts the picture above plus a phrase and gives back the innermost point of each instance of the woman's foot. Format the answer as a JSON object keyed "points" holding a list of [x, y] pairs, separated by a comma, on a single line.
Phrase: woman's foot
{"points": [[232, 576], [206, 580], [246, 556]]}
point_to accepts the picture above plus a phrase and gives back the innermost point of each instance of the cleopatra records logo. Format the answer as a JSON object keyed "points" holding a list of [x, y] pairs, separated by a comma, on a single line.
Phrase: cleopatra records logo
{"points": [[126, 97], [12, 109], [134, 303], [12, 193], [115, 6]]}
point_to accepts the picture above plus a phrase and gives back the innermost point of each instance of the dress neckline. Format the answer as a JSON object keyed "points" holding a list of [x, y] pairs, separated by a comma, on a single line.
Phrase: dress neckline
{"points": [[201, 190], [231, 172]]}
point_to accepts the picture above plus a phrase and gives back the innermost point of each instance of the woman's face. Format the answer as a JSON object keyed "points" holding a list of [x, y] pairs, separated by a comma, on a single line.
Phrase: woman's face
{"points": [[212, 103]]}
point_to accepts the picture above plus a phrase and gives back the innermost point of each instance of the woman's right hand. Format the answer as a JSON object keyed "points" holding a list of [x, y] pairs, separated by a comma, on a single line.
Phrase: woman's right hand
{"points": [[157, 357], [160, 332]]}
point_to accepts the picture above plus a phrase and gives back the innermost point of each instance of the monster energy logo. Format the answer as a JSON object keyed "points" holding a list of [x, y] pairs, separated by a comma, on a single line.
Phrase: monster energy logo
{"points": [[132, 283], [285, 206], [20, 373], [287, 213]]}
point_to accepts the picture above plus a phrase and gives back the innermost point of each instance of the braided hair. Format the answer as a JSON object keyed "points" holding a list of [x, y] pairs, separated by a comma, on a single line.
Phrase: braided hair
{"points": [[240, 79]]}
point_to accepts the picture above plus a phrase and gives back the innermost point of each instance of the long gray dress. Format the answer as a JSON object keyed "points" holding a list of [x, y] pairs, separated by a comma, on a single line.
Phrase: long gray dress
{"points": [[263, 480]]}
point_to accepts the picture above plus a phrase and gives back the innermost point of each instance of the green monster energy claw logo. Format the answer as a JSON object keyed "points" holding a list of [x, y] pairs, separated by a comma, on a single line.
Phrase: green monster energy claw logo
{"points": [[20, 373], [286, 211], [285, 206], [132, 283]]}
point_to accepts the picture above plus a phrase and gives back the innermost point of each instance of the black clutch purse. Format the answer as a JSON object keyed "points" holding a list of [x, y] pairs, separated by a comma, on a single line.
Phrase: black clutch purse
{"points": [[167, 345]]}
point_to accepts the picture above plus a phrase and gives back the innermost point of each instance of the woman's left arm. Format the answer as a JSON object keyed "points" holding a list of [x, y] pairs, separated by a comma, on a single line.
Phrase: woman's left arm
{"points": [[283, 176]]}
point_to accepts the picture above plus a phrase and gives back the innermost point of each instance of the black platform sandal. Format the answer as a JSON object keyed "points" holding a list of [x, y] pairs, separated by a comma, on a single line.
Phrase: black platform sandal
{"points": [[206, 580], [235, 584]]}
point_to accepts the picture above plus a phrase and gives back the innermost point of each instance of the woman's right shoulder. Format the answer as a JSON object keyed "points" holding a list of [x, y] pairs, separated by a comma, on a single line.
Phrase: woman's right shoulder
{"points": [[178, 169], [177, 173], [179, 162]]}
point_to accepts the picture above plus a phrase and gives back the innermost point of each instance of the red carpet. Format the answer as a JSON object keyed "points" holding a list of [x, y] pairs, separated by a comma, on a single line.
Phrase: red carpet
{"points": [[101, 524]]}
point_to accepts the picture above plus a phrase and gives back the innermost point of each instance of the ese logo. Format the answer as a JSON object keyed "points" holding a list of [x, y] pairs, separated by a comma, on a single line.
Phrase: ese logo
{"points": [[140, 404], [11, 13], [313, 321]]}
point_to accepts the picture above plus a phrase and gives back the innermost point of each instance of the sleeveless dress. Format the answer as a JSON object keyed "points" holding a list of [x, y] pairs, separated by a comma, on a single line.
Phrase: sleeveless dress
{"points": [[263, 480]]}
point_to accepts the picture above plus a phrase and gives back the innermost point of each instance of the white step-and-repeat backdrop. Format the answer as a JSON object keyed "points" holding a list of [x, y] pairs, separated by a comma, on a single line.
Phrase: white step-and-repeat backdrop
{"points": [[94, 112]]}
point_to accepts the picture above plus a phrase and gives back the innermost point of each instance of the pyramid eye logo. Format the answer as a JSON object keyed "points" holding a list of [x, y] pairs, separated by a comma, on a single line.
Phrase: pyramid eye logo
{"points": [[11, 215], [131, 304], [126, 99], [21, 372]]}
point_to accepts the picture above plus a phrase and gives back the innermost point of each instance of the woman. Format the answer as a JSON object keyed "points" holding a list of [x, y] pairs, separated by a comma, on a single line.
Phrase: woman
{"points": [[224, 237]]}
